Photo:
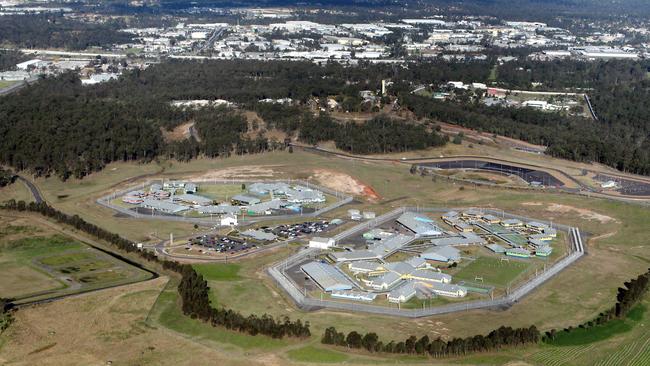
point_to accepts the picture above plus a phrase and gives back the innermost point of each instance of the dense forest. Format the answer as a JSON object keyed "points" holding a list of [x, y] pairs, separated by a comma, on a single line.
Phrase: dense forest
{"points": [[71, 130], [9, 59], [53, 31]]}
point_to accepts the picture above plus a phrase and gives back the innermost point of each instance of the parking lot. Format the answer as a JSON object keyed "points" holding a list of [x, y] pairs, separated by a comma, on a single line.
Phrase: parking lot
{"points": [[292, 231], [221, 244]]}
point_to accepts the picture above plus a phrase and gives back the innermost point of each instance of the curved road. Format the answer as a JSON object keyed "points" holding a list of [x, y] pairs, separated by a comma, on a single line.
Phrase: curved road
{"points": [[38, 198], [584, 189]]}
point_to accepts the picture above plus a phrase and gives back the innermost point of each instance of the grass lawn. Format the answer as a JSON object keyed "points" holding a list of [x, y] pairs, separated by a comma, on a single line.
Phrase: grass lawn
{"points": [[24, 281], [493, 270], [6, 84], [167, 312], [220, 192], [316, 355], [218, 271], [580, 336]]}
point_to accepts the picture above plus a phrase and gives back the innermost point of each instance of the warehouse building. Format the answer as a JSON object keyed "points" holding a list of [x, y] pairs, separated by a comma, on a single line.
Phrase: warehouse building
{"points": [[354, 295], [419, 224], [462, 239], [327, 277], [446, 254]]}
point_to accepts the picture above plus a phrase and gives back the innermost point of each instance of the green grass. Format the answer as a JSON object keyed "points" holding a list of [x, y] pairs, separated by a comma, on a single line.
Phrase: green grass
{"points": [[218, 272], [314, 354], [62, 259], [6, 84], [493, 270], [581, 336], [39, 245], [168, 313]]}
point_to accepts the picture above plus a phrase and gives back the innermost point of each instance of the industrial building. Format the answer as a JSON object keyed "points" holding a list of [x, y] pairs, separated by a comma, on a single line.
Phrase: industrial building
{"points": [[420, 225], [446, 254], [327, 277]]}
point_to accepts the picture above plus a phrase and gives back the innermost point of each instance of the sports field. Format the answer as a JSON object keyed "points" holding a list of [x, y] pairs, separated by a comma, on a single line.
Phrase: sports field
{"points": [[494, 271]]}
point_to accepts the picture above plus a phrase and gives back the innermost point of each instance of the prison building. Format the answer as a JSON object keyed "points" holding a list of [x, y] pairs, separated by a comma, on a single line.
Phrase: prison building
{"points": [[263, 189], [512, 223], [428, 276], [543, 251], [355, 255], [541, 237], [417, 262], [550, 232], [402, 293], [218, 209], [327, 277], [264, 208], [193, 199], [472, 214], [245, 200], [163, 206], [450, 217], [191, 188], [446, 289], [383, 282], [537, 243], [173, 184], [518, 252], [496, 248], [463, 227], [304, 195], [491, 219], [259, 235], [446, 254], [155, 188], [371, 268], [418, 224], [354, 295], [537, 226], [462, 239]]}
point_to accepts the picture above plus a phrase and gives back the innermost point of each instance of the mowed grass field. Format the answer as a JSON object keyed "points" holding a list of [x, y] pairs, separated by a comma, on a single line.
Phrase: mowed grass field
{"points": [[493, 271], [618, 250], [42, 263]]}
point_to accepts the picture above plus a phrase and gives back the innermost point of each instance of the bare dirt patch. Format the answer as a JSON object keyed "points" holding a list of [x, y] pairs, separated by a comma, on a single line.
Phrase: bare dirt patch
{"points": [[344, 183], [583, 213], [240, 172], [181, 132]]}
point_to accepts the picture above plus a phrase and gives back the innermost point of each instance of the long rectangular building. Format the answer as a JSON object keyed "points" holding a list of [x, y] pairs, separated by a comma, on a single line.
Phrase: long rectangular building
{"points": [[326, 276]]}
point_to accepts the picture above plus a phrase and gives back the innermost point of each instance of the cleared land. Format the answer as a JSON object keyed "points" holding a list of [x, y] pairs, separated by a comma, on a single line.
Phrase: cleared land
{"points": [[618, 251], [493, 271], [43, 263]]}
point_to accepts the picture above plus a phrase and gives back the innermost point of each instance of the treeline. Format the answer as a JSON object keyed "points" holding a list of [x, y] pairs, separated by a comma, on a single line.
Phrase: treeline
{"points": [[7, 177], [9, 59], [627, 297], [495, 340], [6, 318], [193, 289], [574, 138], [56, 31]]}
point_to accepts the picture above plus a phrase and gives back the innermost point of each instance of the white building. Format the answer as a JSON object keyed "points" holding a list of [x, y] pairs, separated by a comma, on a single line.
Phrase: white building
{"points": [[321, 243], [228, 220]]}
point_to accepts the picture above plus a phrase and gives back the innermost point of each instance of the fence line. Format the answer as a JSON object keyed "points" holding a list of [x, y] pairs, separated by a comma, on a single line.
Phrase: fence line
{"points": [[105, 201], [308, 303]]}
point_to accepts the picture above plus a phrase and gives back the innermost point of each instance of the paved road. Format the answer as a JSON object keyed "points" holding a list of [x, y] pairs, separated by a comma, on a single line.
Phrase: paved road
{"points": [[583, 190], [38, 198]]}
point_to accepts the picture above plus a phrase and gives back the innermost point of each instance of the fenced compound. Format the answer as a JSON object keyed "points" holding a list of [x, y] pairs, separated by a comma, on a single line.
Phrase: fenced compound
{"points": [[277, 272]]}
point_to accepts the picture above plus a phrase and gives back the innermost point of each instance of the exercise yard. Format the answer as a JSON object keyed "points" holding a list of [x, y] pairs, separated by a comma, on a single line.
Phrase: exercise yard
{"points": [[494, 271]]}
